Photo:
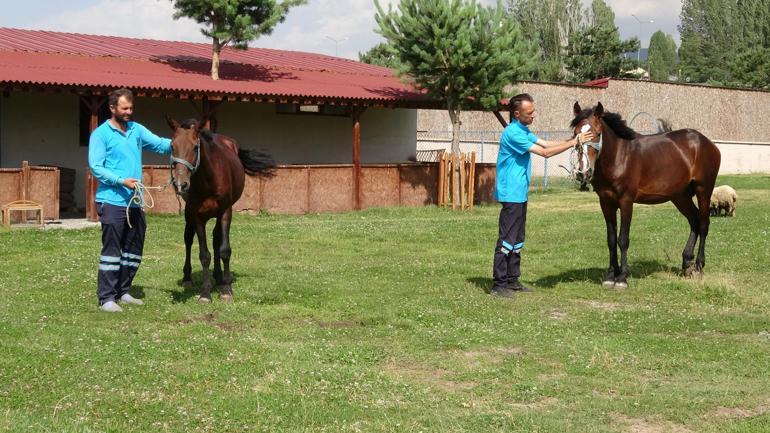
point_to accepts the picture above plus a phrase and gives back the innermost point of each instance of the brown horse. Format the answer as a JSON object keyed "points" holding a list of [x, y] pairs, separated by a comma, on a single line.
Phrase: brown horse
{"points": [[208, 172], [629, 168]]}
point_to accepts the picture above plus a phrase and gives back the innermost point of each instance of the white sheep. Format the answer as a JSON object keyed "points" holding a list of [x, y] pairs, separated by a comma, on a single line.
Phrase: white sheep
{"points": [[723, 197]]}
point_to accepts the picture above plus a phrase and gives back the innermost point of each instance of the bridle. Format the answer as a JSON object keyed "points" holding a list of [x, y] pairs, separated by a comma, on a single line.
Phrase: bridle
{"points": [[186, 163]]}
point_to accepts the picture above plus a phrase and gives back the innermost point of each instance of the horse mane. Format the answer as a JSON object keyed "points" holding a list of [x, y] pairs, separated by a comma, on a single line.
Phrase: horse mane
{"points": [[207, 135], [613, 120]]}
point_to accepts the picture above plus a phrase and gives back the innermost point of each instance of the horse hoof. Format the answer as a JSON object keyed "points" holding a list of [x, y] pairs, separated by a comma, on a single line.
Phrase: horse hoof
{"points": [[187, 284], [621, 285], [608, 284], [204, 300], [227, 299]]}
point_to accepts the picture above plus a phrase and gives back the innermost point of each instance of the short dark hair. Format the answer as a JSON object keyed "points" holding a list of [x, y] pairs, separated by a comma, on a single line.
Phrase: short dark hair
{"points": [[517, 100], [120, 93]]}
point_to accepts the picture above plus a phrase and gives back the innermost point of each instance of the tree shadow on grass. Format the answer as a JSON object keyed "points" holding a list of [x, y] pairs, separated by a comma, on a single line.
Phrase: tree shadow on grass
{"points": [[194, 290], [586, 275]]}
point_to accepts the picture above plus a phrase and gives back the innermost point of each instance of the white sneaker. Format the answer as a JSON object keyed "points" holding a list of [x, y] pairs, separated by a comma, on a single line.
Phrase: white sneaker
{"points": [[111, 307], [128, 299]]}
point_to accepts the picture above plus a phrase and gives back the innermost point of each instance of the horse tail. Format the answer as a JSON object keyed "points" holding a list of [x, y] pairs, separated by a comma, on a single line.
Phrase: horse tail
{"points": [[664, 126], [256, 162]]}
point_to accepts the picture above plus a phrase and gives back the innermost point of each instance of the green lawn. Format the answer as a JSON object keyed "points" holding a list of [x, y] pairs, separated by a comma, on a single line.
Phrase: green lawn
{"points": [[378, 321]]}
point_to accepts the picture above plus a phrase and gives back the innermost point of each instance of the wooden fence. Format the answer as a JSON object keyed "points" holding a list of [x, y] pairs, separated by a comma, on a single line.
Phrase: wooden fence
{"points": [[39, 184], [298, 189]]}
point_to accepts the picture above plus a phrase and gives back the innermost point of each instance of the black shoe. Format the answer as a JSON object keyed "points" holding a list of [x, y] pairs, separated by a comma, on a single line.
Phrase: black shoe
{"points": [[516, 286], [501, 292]]}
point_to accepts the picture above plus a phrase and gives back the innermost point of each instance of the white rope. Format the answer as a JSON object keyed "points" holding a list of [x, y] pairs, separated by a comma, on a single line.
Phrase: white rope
{"points": [[140, 191]]}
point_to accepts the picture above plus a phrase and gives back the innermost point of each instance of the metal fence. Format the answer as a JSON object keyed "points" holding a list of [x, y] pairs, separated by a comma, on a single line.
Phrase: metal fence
{"points": [[486, 145]]}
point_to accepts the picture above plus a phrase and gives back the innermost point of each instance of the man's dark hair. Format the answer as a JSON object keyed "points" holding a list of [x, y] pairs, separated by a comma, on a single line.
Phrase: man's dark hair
{"points": [[517, 100], [118, 93]]}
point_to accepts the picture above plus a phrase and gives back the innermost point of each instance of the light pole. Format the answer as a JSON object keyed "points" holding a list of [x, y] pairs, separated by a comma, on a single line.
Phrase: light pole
{"points": [[336, 42], [640, 33]]}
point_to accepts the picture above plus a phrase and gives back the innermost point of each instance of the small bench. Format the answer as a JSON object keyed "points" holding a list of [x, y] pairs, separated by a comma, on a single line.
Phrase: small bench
{"points": [[22, 206]]}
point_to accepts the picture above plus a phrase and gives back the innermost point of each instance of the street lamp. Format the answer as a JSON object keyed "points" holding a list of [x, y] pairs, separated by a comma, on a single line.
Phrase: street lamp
{"points": [[640, 33], [336, 42]]}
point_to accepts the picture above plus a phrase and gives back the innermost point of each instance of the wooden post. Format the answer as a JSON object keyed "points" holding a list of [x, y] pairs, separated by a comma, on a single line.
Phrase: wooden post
{"points": [[447, 176], [454, 181], [24, 181], [472, 181], [440, 195], [93, 104], [463, 199], [357, 158]]}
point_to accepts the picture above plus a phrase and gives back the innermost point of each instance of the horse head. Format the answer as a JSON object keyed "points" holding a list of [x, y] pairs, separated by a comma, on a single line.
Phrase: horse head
{"points": [[185, 154], [589, 119]]}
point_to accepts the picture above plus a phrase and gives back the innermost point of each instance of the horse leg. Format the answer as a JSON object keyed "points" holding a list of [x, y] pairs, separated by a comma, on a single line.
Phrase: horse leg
{"points": [[703, 197], [609, 211], [217, 242], [687, 208], [205, 257], [189, 234], [626, 213], [226, 290]]}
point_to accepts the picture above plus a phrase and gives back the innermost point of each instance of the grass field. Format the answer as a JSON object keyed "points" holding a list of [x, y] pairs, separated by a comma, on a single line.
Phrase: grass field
{"points": [[378, 321]]}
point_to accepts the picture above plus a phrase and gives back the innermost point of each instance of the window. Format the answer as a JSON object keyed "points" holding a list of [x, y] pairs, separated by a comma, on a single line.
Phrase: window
{"points": [[323, 110]]}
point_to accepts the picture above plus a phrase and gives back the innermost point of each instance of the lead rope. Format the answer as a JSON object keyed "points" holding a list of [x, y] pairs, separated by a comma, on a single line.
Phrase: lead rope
{"points": [[140, 191]]}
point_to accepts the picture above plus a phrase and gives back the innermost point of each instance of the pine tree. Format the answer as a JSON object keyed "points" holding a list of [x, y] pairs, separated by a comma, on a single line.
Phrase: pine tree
{"points": [[381, 54], [457, 51], [235, 22], [662, 56]]}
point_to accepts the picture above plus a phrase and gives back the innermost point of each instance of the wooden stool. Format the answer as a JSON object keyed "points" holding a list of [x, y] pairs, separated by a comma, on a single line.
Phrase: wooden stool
{"points": [[22, 206]]}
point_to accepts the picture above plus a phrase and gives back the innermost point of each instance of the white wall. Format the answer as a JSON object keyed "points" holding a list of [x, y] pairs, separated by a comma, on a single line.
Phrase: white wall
{"points": [[42, 128]]}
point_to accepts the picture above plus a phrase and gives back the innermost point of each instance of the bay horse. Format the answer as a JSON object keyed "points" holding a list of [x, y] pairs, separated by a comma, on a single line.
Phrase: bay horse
{"points": [[208, 172], [628, 168]]}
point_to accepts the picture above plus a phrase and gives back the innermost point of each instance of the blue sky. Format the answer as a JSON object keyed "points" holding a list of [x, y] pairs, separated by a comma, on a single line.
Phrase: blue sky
{"points": [[321, 26]]}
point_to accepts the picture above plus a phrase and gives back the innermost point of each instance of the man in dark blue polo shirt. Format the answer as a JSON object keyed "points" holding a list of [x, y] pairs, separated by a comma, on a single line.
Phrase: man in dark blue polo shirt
{"points": [[514, 171], [115, 159]]}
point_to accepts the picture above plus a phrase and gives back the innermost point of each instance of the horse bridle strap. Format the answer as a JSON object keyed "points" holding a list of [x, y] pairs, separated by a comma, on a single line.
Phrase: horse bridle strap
{"points": [[186, 163]]}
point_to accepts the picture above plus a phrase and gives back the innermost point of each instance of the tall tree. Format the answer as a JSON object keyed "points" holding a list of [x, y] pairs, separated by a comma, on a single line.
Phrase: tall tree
{"points": [[598, 52], [725, 42], [550, 23], [602, 14], [235, 22], [457, 51], [381, 54], [662, 56]]}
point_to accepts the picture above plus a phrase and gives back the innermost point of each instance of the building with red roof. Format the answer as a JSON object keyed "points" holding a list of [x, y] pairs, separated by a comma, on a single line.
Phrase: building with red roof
{"points": [[300, 107]]}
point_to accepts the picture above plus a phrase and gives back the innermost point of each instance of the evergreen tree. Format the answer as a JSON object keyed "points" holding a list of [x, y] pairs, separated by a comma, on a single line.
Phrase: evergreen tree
{"points": [[550, 23], [381, 54], [235, 22], [598, 52], [457, 51], [662, 56], [601, 14]]}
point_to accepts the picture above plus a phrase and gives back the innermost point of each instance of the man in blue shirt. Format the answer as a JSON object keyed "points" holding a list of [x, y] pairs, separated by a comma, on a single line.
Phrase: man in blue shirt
{"points": [[115, 159], [514, 171]]}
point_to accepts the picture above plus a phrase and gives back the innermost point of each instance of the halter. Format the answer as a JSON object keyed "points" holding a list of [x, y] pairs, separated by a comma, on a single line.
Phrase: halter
{"points": [[186, 163]]}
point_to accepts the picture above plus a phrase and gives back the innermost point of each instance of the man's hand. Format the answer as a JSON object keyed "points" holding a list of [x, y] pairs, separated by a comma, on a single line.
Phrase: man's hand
{"points": [[584, 137], [130, 183]]}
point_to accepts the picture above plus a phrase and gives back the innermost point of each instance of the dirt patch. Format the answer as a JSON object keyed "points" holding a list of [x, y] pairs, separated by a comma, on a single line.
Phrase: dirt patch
{"points": [[636, 425], [421, 374], [606, 306], [208, 318], [557, 315], [477, 358], [739, 412], [540, 404]]}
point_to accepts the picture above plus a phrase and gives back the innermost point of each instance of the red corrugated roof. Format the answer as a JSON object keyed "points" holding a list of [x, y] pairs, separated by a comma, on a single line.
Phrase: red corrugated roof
{"points": [[67, 59]]}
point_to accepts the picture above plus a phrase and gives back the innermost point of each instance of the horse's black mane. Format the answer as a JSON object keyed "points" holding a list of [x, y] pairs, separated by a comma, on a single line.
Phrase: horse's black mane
{"points": [[613, 120], [207, 135]]}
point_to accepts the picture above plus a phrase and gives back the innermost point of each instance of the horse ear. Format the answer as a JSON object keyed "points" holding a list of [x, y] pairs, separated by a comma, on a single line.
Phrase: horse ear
{"points": [[599, 110], [172, 123], [576, 108]]}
